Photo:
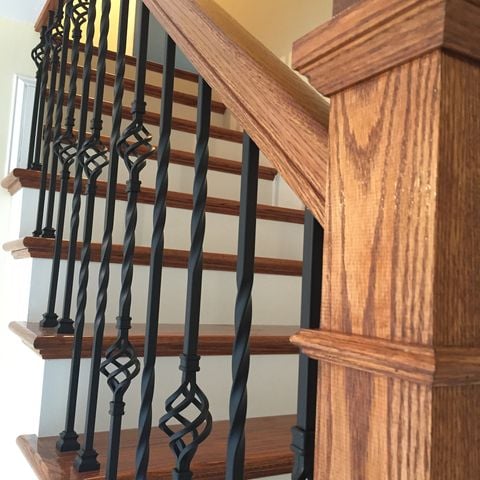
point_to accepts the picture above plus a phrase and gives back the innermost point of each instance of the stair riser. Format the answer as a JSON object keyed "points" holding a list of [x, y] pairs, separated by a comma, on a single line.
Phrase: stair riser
{"points": [[276, 298], [274, 239], [214, 378]]}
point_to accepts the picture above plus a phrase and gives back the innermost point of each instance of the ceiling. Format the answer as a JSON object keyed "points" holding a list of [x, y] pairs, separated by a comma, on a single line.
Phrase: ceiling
{"points": [[21, 10]]}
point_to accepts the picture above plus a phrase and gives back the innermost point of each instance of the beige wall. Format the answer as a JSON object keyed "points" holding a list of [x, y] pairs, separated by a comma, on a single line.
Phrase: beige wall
{"points": [[278, 23]]}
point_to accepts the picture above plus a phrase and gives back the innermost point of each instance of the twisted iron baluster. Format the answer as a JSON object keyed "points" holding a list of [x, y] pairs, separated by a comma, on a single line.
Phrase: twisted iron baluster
{"points": [[303, 434], [83, 9], [189, 393], [121, 364], [94, 158], [243, 310], [53, 38], [50, 317], [37, 164], [156, 262], [86, 459], [38, 57], [65, 149]]}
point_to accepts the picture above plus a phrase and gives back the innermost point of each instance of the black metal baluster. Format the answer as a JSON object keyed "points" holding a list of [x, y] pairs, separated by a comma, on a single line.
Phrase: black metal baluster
{"points": [[50, 317], [243, 310], [48, 230], [156, 262], [54, 42], [189, 393], [121, 363], [86, 459], [65, 149], [38, 57], [303, 434], [36, 163], [95, 159], [66, 323]]}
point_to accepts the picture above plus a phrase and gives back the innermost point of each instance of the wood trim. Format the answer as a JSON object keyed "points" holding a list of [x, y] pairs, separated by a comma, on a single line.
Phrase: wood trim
{"points": [[22, 178], [42, 19], [267, 453], [439, 366], [214, 340], [388, 34], [285, 116], [153, 90], [32, 247]]}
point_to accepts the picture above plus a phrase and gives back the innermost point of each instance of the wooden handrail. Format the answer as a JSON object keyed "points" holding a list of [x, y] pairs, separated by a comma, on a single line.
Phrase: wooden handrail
{"points": [[50, 5], [286, 117]]}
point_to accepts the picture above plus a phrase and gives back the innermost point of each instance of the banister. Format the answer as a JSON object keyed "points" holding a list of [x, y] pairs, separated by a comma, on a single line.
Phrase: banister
{"points": [[286, 117]]}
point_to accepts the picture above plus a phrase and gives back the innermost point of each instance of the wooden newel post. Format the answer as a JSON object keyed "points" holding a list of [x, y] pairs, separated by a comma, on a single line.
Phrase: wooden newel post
{"points": [[399, 348]]}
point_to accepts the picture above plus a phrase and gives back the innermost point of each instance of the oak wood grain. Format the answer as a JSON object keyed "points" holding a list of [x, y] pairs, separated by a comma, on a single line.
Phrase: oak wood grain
{"points": [[387, 34], [21, 178], [436, 366], [214, 339], [267, 453], [401, 268], [285, 116], [33, 247]]}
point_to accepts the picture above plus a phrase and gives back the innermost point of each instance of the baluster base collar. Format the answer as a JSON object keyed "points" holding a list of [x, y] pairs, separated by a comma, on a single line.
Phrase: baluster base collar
{"points": [[68, 442]]}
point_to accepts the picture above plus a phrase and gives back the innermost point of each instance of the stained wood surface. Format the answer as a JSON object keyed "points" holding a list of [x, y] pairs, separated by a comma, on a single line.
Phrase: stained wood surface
{"points": [[267, 453], [402, 268], [32, 247], [439, 366], [285, 116], [340, 5], [214, 339], [22, 178], [153, 90], [387, 34]]}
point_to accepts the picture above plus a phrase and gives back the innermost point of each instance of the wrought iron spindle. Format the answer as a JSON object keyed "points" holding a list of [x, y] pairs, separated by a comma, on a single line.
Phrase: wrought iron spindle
{"points": [[50, 317], [303, 434], [66, 323], [156, 262], [65, 149], [37, 164], [121, 363], [54, 43], [48, 230], [184, 442], [95, 159], [38, 57], [86, 459], [243, 310]]}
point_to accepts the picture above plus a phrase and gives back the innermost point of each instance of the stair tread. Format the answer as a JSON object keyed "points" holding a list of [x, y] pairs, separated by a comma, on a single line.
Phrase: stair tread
{"points": [[33, 247], [23, 178], [214, 339], [155, 91], [267, 453], [152, 66], [180, 157], [180, 124]]}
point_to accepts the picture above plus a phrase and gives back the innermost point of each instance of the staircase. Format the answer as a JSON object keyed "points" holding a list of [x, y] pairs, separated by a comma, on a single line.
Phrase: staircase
{"points": [[254, 225]]}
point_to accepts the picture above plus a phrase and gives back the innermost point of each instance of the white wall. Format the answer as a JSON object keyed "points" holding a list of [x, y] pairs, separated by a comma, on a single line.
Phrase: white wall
{"points": [[16, 40]]}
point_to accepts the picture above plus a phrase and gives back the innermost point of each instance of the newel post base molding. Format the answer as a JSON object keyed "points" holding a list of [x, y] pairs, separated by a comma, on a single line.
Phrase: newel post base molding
{"points": [[399, 347]]}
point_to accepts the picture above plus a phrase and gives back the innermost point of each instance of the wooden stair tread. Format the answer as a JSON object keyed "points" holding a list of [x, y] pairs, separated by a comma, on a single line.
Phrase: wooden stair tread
{"points": [[152, 66], [213, 340], [23, 178], [152, 118], [267, 453], [154, 91], [33, 247], [186, 159]]}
